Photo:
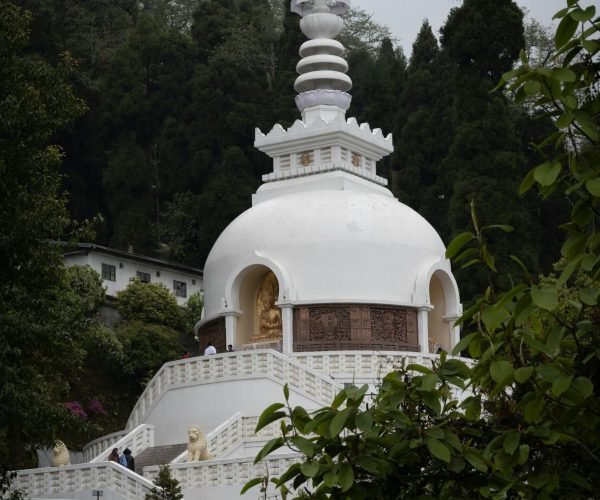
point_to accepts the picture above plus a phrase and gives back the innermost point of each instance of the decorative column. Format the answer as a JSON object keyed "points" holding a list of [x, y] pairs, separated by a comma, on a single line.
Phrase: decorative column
{"points": [[423, 322], [287, 323], [231, 328]]}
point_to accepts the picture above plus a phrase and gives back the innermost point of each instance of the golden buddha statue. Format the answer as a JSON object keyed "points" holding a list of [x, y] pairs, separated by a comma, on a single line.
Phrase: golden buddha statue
{"points": [[267, 313]]}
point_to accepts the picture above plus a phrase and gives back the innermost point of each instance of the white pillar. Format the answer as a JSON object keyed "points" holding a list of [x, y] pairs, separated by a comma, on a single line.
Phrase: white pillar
{"points": [[423, 326], [287, 323], [454, 331], [231, 329]]}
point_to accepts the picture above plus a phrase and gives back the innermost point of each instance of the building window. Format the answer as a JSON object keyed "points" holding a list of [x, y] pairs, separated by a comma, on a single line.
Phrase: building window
{"points": [[109, 272], [180, 288], [193, 282], [158, 274], [120, 265], [143, 277]]}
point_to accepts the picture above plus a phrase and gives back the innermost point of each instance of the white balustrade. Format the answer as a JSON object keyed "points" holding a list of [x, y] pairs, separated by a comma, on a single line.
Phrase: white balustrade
{"points": [[242, 365], [137, 440], [225, 472], [81, 477], [96, 447]]}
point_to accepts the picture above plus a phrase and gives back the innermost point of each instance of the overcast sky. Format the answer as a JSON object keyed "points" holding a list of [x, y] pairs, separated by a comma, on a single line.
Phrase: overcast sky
{"points": [[404, 17]]}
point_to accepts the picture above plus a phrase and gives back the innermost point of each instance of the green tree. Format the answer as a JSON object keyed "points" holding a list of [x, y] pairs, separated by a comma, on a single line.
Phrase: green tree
{"points": [[37, 347], [423, 130], [192, 310], [362, 32], [528, 425], [151, 303], [167, 488], [146, 347]]}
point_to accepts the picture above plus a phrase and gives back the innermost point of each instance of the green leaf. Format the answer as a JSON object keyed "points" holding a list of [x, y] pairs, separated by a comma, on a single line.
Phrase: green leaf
{"points": [[589, 296], [269, 415], [565, 31], [475, 458], [577, 480], [305, 446], [438, 449], [527, 183], [583, 15], [584, 386], [563, 74], [413, 367], [428, 382], [547, 173], [272, 445], [561, 384], [457, 243], [364, 421], [533, 410], [493, 317], [593, 186], [339, 399], [310, 469], [511, 442], [339, 421], [502, 372], [523, 374], [286, 392], [586, 123], [532, 87], [564, 120], [346, 477], [545, 296], [251, 484]]}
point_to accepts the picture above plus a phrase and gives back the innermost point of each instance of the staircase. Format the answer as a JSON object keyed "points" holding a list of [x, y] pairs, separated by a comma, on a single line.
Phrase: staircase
{"points": [[158, 455]]}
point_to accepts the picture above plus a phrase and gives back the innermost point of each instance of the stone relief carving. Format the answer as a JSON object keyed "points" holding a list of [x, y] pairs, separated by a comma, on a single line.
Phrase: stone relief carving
{"points": [[329, 324], [389, 325], [197, 447]]}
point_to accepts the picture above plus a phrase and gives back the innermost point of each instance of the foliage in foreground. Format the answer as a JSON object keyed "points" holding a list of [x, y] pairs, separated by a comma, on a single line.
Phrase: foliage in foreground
{"points": [[167, 488], [523, 421]]}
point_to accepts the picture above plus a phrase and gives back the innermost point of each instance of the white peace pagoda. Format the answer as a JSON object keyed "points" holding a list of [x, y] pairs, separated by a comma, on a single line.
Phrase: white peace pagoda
{"points": [[326, 280]]}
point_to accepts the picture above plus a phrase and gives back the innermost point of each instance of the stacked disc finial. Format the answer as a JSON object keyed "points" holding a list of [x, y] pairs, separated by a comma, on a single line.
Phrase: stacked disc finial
{"points": [[322, 69]]}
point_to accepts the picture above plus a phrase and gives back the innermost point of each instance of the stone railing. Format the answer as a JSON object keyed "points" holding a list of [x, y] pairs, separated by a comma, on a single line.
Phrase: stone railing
{"points": [[234, 366], [137, 440], [98, 446], [230, 472], [62, 482], [233, 433], [361, 366]]}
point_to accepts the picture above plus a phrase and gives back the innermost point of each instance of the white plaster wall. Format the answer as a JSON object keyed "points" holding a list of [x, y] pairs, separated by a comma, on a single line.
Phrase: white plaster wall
{"points": [[210, 404], [129, 270]]}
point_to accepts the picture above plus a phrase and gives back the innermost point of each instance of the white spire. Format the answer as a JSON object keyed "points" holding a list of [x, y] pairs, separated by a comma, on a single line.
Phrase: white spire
{"points": [[324, 141], [323, 84]]}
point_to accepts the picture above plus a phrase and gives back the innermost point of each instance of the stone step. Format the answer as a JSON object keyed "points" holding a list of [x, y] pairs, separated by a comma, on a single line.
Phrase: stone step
{"points": [[158, 455]]}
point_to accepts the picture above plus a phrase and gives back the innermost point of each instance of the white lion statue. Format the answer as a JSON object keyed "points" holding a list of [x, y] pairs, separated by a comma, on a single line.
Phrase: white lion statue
{"points": [[197, 449], [60, 455]]}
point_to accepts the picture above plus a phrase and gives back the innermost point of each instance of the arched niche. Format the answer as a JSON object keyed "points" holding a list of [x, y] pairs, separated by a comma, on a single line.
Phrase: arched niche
{"points": [[242, 297], [443, 296]]}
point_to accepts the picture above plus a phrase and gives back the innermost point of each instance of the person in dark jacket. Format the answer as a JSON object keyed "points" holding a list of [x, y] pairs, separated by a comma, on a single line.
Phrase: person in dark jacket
{"points": [[130, 460]]}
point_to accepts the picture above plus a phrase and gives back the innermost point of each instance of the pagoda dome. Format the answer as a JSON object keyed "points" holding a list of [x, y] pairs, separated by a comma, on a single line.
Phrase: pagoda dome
{"points": [[334, 239], [329, 246]]}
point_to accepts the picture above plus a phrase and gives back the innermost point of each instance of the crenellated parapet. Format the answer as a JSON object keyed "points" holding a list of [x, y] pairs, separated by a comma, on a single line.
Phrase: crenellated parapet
{"points": [[323, 146]]}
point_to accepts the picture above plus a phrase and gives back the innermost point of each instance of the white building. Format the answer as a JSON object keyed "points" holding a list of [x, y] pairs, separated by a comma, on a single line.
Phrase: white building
{"points": [[327, 279], [117, 268]]}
